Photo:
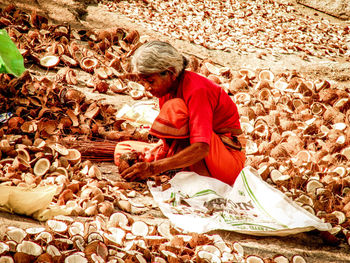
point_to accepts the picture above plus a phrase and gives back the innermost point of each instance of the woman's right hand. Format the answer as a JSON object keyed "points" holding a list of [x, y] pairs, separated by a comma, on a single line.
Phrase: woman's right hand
{"points": [[138, 172]]}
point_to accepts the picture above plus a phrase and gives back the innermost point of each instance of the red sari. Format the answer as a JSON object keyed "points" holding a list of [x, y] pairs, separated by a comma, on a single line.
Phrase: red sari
{"points": [[222, 162]]}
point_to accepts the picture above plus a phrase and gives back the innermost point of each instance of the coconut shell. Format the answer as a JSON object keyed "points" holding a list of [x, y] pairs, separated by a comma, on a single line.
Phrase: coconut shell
{"points": [[118, 87], [88, 64], [304, 89], [265, 147], [116, 64], [215, 79], [15, 123], [132, 37], [321, 84], [266, 75], [71, 62], [237, 85], [298, 104], [242, 98], [260, 109], [287, 125], [65, 196], [69, 95], [331, 115], [193, 64], [106, 208], [136, 94], [71, 77], [281, 84], [105, 34], [317, 108], [261, 130], [328, 96], [263, 84], [126, 65], [23, 257], [41, 167], [101, 87], [280, 151], [297, 143], [293, 83], [343, 105], [264, 94], [247, 74], [49, 61], [247, 111]]}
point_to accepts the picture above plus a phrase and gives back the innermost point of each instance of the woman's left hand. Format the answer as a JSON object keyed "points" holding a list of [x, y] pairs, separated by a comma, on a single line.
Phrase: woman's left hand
{"points": [[139, 171]]}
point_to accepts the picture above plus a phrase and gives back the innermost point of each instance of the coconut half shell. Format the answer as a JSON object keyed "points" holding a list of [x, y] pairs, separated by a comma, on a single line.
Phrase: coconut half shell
{"points": [[41, 167], [76, 258], [62, 150], [88, 64], [49, 61], [69, 61], [30, 248], [118, 87], [73, 156], [254, 259], [136, 94], [266, 75]]}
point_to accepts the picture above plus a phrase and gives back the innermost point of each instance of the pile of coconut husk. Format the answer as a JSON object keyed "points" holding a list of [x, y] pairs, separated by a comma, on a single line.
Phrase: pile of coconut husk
{"points": [[121, 239], [272, 27]]}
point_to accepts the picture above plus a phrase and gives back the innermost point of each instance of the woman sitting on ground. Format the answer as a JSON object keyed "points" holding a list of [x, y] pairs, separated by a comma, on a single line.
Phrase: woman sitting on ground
{"points": [[198, 122]]}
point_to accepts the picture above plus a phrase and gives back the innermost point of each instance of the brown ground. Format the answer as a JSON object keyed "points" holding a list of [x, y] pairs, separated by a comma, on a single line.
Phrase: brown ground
{"points": [[87, 13]]}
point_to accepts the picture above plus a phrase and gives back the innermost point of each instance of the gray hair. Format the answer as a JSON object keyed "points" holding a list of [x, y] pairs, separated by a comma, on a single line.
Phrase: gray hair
{"points": [[156, 57]]}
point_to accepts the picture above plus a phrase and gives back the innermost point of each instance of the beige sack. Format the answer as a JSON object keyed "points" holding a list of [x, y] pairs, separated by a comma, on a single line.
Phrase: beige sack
{"points": [[33, 202]]}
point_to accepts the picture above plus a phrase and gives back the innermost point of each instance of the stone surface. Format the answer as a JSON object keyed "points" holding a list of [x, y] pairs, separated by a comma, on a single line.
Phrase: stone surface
{"points": [[337, 8]]}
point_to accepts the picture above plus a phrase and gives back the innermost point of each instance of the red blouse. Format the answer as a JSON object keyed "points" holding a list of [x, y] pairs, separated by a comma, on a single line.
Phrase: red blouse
{"points": [[210, 108]]}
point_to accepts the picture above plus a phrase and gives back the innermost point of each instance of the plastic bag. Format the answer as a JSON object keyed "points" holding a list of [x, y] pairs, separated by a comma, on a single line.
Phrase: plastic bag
{"points": [[33, 202], [143, 112], [200, 204], [11, 61]]}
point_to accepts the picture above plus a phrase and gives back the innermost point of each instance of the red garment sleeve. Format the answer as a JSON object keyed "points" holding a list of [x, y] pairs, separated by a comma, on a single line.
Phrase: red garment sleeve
{"points": [[201, 116]]}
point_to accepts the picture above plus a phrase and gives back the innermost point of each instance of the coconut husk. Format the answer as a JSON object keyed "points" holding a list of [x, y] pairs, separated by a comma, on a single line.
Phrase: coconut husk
{"points": [[260, 109], [328, 95], [287, 125], [276, 138], [248, 112], [263, 84], [237, 85], [293, 83], [193, 63], [265, 147], [295, 143], [331, 115], [264, 94], [280, 151], [102, 151]]}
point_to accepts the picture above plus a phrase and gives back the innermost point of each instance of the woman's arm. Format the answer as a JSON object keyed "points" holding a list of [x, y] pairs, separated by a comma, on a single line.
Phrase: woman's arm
{"points": [[188, 156]]}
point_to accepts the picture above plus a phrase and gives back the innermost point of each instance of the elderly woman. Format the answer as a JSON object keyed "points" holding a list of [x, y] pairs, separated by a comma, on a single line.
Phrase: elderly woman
{"points": [[198, 122]]}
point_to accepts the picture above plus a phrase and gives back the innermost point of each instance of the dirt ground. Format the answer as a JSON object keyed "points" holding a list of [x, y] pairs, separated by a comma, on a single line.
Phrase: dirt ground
{"points": [[89, 14]]}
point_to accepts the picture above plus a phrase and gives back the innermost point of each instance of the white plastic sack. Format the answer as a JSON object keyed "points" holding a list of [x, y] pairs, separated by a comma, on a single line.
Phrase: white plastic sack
{"points": [[200, 204], [143, 112], [33, 202]]}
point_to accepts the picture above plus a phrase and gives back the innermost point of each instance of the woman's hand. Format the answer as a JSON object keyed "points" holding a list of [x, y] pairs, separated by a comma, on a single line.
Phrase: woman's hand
{"points": [[188, 156], [138, 172]]}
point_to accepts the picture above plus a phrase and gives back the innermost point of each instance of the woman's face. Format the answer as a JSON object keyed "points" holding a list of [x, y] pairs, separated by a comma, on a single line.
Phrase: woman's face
{"points": [[158, 84]]}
